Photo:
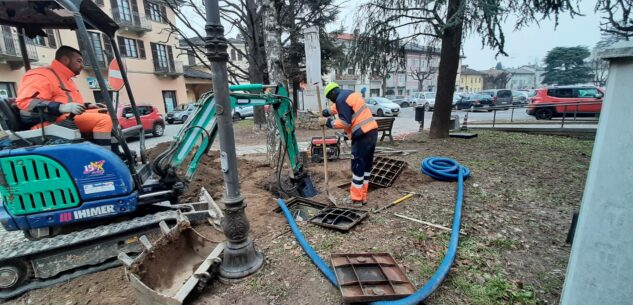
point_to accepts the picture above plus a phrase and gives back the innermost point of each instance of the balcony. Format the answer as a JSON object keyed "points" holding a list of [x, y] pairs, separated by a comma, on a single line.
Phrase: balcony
{"points": [[131, 21], [171, 71], [10, 52]]}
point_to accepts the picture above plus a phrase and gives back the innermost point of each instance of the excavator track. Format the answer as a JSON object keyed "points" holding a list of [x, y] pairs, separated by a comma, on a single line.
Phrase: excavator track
{"points": [[63, 257]]}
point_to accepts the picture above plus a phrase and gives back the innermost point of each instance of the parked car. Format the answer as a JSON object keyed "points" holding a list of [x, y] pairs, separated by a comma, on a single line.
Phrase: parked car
{"points": [[242, 112], [519, 97], [401, 100], [426, 99], [381, 106], [501, 98], [573, 100], [478, 101], [150, 118], [181, 113]]}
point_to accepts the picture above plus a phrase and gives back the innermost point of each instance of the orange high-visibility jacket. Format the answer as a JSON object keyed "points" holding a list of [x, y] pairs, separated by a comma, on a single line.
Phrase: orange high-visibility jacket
{"points": [[45, 85], [353, 114]]}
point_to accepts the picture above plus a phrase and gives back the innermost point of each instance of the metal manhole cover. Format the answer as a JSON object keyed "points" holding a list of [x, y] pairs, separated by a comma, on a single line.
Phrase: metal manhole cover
{"points": [[368, 277], [303, 209], [385, 171], [339, 218]]}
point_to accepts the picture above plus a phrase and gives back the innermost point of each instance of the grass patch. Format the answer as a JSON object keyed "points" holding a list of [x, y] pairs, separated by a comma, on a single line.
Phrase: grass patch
{"points": [[417, 234], [494, 290], [506, 244]]}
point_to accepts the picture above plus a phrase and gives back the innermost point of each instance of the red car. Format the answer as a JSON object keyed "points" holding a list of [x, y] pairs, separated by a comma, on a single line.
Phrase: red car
{"points": [[571, 100], [150, 118]]}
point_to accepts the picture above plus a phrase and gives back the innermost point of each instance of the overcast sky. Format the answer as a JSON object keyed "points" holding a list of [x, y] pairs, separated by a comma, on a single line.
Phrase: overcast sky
{"points": [[526, 46]]}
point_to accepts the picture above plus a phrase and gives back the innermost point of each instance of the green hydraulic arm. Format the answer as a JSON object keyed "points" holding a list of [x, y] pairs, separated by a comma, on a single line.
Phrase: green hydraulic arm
{"points": [[199, 131]]}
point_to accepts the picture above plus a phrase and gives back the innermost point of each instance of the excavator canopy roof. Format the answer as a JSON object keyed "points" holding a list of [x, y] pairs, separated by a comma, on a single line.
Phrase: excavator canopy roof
{"points": [[34, 16]]}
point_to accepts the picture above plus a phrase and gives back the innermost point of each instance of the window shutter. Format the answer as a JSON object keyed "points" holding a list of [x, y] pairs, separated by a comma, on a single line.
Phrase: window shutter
{"points": [[154, 55], [99, 2], [114, 4], [146, 7], [170, 57], [163, 13], [141, 49], [107, 48], [51, 38], [192, 57], [135, 14], [122, 47]]}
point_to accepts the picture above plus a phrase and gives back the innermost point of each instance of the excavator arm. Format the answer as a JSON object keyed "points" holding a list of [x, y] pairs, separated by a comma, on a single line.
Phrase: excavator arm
{"points": [[199, 131]]}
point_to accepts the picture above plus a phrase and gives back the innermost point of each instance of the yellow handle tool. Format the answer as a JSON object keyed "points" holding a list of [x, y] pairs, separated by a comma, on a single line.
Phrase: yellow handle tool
{"points": [[395, 202]]}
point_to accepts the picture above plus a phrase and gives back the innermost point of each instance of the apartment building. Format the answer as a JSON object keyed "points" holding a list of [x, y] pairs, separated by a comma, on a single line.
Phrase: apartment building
{"points": [[419, 73], [198, 78], [471, 80], [147, 48]]}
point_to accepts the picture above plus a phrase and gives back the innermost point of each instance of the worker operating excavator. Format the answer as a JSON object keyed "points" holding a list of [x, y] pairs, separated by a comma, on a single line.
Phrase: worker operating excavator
{"points": [[49, 93], [361, 127]]}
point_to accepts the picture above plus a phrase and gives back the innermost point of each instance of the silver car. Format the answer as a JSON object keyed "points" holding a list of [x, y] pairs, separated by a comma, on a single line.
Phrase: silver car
{"points": [[242, 112], [381, 106]]}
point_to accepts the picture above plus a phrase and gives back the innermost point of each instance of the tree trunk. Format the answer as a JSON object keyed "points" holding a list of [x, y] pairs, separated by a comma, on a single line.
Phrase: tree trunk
{"points": [[272, 41], [257, 57], [449, 62]]}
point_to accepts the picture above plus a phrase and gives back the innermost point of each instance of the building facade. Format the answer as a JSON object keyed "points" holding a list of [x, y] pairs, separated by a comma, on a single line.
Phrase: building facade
{"points": [[148, 51], [419, 73], [521, 79], [470, 80]]}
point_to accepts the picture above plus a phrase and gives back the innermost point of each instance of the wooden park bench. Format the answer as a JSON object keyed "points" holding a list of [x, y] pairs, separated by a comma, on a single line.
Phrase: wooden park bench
{"points": [[385, 125]]}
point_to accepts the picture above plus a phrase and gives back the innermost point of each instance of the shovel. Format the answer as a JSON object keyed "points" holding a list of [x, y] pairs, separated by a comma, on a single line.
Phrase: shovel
{"points": [[325, 157]]}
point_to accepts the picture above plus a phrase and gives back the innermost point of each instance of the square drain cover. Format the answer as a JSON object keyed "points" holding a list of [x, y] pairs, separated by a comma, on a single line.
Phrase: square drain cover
{"points": [[383, 173], [339, 218], [368, 277], [303, 209]]}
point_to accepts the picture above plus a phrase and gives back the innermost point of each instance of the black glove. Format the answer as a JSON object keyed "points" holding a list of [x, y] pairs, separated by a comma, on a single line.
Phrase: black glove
{"points": [[326, 113]]}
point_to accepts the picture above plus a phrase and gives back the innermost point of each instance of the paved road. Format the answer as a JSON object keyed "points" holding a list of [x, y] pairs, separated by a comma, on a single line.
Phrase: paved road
{"points": [[404, 123]]}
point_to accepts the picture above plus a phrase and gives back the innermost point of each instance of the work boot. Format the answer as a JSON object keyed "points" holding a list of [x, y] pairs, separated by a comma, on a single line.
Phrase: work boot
{"points": [[357, 204]]}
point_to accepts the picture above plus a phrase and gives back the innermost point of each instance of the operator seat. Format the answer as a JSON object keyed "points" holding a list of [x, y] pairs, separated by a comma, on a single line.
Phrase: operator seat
{"points": [[10, 121], [10, 115]]}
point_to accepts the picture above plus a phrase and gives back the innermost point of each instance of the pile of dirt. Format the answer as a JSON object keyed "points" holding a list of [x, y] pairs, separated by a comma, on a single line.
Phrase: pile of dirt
{"points": [[517, 208]]}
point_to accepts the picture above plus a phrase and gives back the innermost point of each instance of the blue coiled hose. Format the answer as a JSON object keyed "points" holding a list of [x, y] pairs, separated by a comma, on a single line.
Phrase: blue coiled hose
{"points": [[443, 169]]}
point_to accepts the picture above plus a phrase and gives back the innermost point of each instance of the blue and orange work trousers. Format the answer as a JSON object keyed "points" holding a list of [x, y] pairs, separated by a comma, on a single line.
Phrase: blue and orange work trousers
{"points": [[363, 149]]}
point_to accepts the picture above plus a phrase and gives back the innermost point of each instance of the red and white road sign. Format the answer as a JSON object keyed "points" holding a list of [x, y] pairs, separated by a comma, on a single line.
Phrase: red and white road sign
{"points": [[114, 76]]}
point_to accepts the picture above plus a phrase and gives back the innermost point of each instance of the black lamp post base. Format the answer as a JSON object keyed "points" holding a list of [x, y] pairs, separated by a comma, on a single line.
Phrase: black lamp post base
{"points": [[240, 260]]}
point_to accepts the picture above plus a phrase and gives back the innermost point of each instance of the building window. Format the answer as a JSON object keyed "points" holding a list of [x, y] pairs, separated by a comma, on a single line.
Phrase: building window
{"points": [[233, 56], [7, 90], [130, 47], [161, 53], [239, 56], [163, 57], [95, 40], [191, 56], [124, 10], [350, 71], [156, 12]]}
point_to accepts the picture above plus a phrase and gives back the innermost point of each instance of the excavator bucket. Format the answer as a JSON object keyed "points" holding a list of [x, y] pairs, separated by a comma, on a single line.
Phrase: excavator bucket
{"points": [[170, 268]]}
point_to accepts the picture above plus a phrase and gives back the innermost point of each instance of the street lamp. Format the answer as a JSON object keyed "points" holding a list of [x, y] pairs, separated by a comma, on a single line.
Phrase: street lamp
{"points": [[240, 257]]}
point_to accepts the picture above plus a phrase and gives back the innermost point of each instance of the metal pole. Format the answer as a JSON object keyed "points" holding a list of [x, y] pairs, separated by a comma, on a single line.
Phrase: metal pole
{"points": [[494, 118], [25, 52], [128, 89], [512, 115], [240, 257], [562, 123]]}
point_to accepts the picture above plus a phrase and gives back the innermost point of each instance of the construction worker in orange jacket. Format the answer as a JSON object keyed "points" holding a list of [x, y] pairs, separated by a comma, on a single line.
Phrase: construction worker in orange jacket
{"points": [[361, 127], [52, 91]]}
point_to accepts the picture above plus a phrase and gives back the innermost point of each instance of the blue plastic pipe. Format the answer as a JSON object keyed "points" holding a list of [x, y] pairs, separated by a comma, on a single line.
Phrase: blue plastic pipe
{"points": [[444, 169]]}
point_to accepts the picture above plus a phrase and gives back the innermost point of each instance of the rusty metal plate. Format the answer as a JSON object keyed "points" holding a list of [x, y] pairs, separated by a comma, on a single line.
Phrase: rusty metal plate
{"points": [[339, 218], [368, 277], [302, 208]]}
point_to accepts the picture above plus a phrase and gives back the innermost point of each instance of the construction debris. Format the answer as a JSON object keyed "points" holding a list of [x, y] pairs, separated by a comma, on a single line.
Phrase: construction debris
{"points": [[426, 223]]}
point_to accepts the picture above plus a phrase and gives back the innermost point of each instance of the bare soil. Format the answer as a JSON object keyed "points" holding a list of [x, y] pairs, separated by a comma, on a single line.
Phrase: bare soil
{"points": [[517, 210]]}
